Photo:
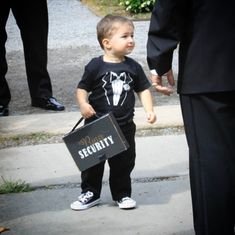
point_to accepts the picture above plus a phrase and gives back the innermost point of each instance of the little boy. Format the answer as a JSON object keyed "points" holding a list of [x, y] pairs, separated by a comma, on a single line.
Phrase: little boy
{"points": [[111, 80]]}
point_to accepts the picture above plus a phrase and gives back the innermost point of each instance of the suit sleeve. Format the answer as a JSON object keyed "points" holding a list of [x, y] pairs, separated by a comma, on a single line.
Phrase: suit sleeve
{"points": [[164, 34]]}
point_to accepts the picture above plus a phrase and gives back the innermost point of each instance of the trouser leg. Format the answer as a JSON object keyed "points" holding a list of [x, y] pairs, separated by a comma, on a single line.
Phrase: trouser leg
{"points": [[5, 95], [92, 179], [122, 165], [209, 121], [32, 20]]}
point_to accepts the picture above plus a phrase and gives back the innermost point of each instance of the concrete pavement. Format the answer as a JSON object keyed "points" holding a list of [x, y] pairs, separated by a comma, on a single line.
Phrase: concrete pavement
{"points": [[164, 208], [51, 163], [62, 122], [160, 181]]}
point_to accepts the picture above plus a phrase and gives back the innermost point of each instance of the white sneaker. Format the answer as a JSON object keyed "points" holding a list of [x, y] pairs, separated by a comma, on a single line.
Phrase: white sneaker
{"points": [[126, 203], [85, 201]]}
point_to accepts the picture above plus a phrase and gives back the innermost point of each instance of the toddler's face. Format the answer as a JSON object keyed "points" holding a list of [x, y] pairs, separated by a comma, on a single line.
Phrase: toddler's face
{"points": [[122, 41]]}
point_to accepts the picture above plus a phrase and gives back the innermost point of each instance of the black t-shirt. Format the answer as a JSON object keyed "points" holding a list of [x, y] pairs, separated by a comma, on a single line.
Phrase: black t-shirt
{"points": [[112, 86]]}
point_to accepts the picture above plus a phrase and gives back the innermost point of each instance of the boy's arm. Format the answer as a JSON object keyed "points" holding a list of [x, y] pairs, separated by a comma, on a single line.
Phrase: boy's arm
{"points": [[147, 102], [86, 109]]}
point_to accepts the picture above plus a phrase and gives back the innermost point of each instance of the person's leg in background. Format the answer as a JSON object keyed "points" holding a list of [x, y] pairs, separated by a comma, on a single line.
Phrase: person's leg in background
{"points": [[209, 121], [32, 20], [5, 95]]}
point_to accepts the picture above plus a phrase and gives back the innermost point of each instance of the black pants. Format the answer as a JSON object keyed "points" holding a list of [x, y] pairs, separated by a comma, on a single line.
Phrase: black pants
{"points": [[32, 20], [210, 130], [121, 167]]}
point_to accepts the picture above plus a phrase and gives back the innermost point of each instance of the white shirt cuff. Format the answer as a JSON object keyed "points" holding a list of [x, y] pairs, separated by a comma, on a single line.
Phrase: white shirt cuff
{"points": [[153, 72]]}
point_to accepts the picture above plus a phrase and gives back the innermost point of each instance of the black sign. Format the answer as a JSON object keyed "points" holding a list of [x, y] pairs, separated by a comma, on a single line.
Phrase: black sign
{"points": [[95, 142]]}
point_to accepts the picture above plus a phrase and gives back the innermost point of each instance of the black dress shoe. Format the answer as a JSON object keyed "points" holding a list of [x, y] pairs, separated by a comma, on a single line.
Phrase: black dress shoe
{"points": [[4, 111], [49, 103]]}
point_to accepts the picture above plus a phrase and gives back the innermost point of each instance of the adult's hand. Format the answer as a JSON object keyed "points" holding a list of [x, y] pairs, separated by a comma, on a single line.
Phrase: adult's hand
{"points": [[157, 82]]}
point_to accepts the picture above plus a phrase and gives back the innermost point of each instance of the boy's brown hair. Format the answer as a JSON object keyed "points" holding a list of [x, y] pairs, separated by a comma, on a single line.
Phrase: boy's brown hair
{"points": [[105, 26]]}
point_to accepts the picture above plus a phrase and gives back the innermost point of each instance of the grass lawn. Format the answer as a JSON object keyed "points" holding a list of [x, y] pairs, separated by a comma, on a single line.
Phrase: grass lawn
{"points": [[103, 7]]}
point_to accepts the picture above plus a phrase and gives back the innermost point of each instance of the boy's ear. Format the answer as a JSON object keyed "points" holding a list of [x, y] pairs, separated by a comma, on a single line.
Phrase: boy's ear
{"points": [[105, 43]]}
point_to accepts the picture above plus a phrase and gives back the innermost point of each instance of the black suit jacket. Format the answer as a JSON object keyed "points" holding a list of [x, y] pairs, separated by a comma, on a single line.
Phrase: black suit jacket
{"points": [[205, 31]]}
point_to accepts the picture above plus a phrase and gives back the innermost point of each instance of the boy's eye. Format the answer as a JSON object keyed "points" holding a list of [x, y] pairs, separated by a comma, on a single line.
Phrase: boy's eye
{"points": [[126, 36]]}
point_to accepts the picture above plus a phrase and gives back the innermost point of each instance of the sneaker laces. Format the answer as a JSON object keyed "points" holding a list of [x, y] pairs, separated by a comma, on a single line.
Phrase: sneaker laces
{"points": [[125, 199], [85, 197]]}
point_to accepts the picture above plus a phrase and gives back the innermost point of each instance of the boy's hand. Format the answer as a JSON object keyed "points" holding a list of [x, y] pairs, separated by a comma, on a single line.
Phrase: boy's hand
{"points": [[151, 117], [87, 110]]}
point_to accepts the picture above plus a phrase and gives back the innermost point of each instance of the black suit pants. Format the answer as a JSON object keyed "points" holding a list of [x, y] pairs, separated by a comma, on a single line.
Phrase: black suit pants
{"points": [[210, 130], [32, 20], [121, 167]]}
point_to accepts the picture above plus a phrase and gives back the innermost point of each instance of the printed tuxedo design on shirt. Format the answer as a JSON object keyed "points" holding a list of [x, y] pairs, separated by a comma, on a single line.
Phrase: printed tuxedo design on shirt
{"points": [[118, 84]]}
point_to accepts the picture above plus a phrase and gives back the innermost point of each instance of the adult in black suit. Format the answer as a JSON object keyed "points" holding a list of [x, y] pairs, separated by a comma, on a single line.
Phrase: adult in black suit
{"points": [[32, 20], [205, 31]]}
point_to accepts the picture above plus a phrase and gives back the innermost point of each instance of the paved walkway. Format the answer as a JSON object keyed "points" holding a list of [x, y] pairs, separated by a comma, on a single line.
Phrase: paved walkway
{"points": [[160, 182], [62, 122], [51, 163]]}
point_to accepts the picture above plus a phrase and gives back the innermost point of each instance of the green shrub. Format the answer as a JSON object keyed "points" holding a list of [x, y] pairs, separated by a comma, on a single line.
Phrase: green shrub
{"points": [[137, 6]]}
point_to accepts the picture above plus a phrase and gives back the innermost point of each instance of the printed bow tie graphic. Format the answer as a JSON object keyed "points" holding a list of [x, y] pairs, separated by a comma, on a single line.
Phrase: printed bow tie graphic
{"points": [[119, 84], [114, 76]]}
